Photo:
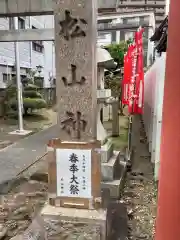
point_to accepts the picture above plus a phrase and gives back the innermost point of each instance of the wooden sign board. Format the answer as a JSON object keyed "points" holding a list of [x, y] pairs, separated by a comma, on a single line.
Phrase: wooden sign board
{"points": [[74, 174]]}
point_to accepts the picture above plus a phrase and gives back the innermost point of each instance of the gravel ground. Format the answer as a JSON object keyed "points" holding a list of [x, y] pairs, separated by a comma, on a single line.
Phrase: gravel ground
{"points": [[18, 208], [140, 190], [23, 201]]}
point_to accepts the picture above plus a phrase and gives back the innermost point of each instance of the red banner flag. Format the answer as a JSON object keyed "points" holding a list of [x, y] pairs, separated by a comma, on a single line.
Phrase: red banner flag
{"points": [[139, 101], [133, 81], [125, 81], [132, 76]]}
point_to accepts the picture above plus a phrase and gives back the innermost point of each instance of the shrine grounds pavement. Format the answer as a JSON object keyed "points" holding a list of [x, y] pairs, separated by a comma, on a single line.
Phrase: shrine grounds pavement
{"points": [[20, 155]]}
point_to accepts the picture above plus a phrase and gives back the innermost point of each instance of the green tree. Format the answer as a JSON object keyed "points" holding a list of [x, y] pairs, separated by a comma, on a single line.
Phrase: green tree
{"points": [[113, 81], [32, 99], [117, 52]]}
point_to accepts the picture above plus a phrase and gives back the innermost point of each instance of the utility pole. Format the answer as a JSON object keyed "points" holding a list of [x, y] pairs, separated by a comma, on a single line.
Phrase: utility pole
{"points": [[21, 130], [168, 211], [18, 79]]}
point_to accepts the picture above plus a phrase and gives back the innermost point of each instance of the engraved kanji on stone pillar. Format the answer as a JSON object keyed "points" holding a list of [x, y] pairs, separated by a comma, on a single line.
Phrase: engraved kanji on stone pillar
{"points": [[76, 68], [74, 123], [73, 79], [70, 27]]}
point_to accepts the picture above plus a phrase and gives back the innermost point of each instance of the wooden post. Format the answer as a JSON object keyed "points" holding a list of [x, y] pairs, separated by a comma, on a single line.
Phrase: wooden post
{"points": [[115, 119], [168, 214]]}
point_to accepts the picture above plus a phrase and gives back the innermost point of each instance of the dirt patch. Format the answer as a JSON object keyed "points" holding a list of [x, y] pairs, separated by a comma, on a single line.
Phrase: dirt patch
{"points": [[140, 190], [20, 206]]}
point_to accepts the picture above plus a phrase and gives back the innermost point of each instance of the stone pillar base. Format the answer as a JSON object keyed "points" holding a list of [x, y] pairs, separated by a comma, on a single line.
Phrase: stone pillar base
{"points": [[106, 151], [79, 223]]}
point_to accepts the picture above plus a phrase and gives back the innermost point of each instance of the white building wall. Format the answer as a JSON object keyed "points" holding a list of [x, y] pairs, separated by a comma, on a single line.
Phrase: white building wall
{"points": [[153, 107], [7, 49], [104, 39], [47, 58], [28, 57], [7, 52], [36, 57]]}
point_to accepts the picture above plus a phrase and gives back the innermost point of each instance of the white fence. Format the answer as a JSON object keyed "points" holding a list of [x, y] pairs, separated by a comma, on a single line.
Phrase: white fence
{"points": [[153, 105]]}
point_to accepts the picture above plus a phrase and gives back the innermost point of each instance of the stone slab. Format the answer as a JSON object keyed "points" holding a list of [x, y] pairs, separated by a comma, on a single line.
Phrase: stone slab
{"points": [[110, 168], [20, 132], [115, 186], [77, 221], [106, 151]]}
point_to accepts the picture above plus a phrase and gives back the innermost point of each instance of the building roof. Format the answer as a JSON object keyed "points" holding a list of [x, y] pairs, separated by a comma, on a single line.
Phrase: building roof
{"points": [[160, 36]]}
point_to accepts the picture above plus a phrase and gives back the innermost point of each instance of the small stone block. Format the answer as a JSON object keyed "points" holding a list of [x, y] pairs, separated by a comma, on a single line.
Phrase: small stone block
{"points": [[52, 201], [117, 213], [78, 223], [109, 169], [115, 186], [106, 151], [105, 196]]}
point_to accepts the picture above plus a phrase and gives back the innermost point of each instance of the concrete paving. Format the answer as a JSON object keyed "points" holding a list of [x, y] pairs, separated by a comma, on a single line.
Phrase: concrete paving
{"points": [[17, 157]]}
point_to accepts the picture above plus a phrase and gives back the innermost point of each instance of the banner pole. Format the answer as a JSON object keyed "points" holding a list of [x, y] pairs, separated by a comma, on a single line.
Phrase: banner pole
{"points": [[133, 104]]}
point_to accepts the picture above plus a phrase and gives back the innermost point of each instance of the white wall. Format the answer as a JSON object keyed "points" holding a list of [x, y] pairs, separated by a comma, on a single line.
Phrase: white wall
{"points": [[7, 49], [28, 57], [47, 58], [7, 52], [104, 40], [153, 106]]}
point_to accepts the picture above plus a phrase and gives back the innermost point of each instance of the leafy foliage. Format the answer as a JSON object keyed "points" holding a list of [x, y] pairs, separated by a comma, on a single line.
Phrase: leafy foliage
{"points": [[117, 52], [113, 81], [31, 94], [32, 99], [29, 104]]}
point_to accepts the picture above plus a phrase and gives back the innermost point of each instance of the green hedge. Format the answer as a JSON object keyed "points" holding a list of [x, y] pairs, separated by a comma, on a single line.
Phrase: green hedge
{"points": [[29, 103], [31, 94]]}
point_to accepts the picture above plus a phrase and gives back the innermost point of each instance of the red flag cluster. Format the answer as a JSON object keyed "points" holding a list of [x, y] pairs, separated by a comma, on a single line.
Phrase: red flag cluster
{"points": [[133, 81]]}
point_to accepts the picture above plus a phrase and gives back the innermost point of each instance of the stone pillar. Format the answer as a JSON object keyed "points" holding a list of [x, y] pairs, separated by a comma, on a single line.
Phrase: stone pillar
{"points": [[101, 132], [115, 118], [168, 214], [76, 69]]}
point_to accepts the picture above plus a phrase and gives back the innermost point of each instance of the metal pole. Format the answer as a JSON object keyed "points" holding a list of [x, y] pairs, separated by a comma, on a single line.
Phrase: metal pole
{"points": [[7, 72], [18, 79], [129, 148]]}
